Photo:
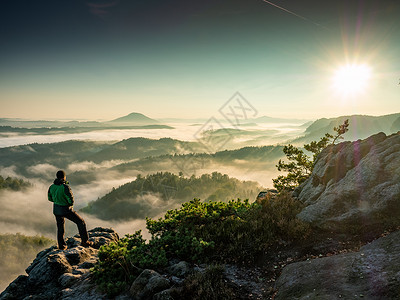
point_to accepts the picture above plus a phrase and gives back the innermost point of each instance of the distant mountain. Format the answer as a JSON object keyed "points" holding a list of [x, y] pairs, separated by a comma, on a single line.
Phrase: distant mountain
{"points": [[396, 125], [266, 119], [135, 119], [360, 127], [7, 131]]}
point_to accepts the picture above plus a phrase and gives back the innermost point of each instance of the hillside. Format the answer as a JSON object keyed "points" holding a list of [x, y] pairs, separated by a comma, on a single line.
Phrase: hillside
{"points": [[8, 131], [14, 184], [17, 251], [361, 127], [26, 159], [141, 147], [156, 193], [247, 159], [266, 119], [87, 161]]}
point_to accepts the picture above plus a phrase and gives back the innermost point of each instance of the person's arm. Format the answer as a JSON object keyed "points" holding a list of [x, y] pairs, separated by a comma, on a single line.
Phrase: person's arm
{"points": [[68, 193], [49, 196]]}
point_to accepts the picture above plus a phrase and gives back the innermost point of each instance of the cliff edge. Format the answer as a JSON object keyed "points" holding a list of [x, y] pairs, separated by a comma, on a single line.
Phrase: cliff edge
{"points": [[57, 274]]}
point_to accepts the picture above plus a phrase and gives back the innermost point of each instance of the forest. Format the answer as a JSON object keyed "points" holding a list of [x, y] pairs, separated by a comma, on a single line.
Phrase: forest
{"points": [[148, 196]]}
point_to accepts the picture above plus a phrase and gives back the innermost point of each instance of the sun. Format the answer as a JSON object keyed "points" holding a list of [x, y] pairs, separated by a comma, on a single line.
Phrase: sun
{"points": [[351, 79]]}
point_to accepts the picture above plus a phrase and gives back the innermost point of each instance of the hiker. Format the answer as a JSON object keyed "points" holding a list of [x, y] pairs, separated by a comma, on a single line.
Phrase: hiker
{"points": [[61, 195]]}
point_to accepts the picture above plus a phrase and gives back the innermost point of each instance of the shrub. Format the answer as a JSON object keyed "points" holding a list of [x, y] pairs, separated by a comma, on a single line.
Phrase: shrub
{"points": [[199, 232]]}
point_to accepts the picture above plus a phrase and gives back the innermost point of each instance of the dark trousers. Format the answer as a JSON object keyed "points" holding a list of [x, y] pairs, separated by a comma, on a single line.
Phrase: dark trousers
{"points": [[74, 217]]}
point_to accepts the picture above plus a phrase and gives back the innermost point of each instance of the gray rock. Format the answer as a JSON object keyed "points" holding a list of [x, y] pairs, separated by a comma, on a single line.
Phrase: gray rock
{"points": [[16, 289], [147, 284], [83, 289], [176, 280], [57, 274], [51, 266], [371, 273], [355, 186], [181, 269], [164, 295], [68, 279]]}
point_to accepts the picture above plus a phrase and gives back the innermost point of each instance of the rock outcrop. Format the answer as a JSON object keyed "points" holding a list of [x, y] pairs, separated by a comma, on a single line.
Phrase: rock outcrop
{"points": [[148, 283], [355, 186], [57, 274], [371, 273], [65, 274]]}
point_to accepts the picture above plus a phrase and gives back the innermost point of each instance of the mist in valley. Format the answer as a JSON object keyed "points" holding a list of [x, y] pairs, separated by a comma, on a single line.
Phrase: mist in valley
{"points": [[102, 165], [98, 162]]}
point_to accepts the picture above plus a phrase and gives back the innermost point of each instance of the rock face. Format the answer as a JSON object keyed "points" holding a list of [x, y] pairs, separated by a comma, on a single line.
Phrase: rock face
{"points": [[355, 186], [57, 274], [371, 273], [147, 284]]}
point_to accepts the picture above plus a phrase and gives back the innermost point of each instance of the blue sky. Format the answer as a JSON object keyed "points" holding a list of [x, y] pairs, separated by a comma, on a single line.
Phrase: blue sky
{"points": [[103, 59]]}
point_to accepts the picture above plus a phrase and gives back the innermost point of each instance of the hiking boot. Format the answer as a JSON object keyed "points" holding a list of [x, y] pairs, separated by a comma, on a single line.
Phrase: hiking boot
{"points": [[64, 247], [87, 244]]}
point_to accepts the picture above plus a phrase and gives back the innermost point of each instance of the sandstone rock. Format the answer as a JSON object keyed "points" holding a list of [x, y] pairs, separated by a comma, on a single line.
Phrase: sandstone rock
{"points": [[147, 284], [83, 289], [371, 273], [68, 279], [57, 274], [164, 295], [355, 186], [181, 269]]}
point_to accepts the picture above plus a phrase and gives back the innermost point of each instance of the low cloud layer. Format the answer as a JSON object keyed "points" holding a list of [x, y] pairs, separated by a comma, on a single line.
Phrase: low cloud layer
{"points": [[42, 169], [29, 212], [184, 132]]}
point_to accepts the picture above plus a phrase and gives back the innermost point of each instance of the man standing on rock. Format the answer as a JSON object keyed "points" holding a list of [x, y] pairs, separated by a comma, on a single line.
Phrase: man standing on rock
{"points": [[61, 195]]}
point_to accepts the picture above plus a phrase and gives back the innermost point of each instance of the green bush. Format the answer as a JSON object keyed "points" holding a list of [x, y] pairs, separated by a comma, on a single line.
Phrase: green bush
{"points": [[200, 232]]}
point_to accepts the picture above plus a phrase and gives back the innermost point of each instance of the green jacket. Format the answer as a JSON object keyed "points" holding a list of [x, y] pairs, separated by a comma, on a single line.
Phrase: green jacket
{"points": [[60, 193]]}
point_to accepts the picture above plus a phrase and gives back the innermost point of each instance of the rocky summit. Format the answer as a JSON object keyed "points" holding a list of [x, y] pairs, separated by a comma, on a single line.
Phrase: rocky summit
{"points": [[354, 187], [57, 274], [65, 274]]}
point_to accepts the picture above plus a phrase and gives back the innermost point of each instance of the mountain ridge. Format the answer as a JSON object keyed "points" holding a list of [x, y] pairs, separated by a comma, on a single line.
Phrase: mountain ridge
{"points": [[360, 127], [135, 118]]}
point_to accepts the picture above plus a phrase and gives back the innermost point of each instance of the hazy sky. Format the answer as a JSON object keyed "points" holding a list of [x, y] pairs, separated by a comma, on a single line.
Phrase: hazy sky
{"points": [[180, 58]]}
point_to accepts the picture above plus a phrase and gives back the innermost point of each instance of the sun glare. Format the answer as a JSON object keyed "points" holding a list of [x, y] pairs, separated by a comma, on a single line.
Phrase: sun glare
{"points": [[350, 80]]}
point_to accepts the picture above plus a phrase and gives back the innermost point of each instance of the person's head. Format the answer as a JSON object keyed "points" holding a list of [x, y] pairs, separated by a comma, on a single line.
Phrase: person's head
{"points": [[61, 174]]}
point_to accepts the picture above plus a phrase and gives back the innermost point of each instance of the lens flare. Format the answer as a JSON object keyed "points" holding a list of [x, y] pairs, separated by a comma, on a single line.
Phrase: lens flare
{"points": [[350, 80]]}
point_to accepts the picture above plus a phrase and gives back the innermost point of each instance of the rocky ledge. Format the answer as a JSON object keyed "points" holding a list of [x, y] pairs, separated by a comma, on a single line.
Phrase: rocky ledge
{"points": [[354, 187], [371, 273], [57, 274], [65, 274]]}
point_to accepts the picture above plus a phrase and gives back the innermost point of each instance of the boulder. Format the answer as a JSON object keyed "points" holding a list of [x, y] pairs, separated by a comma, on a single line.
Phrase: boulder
{"points": [[164, 295], [62, 274], [371, 273], [147, 284], [181, 269], [355, 186]]}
